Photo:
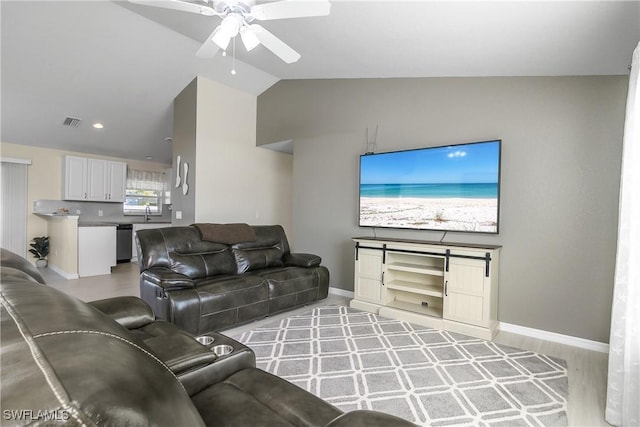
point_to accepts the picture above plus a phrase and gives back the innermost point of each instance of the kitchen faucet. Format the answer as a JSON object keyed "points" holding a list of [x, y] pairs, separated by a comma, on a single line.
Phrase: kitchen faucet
{"points": [[147, 212]]}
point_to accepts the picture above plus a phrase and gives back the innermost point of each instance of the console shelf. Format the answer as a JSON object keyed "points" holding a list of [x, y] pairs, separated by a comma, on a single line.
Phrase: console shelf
{"points": [[446, 286], [412, 268], [415, 308], [417, 288]]}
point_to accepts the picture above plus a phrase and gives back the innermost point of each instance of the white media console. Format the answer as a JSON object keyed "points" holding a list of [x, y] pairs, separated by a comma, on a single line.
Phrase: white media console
{"points": [[446, 286]]}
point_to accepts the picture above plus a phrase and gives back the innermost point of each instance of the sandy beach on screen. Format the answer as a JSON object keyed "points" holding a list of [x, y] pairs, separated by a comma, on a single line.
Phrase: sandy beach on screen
{"points": [[447, 213]]}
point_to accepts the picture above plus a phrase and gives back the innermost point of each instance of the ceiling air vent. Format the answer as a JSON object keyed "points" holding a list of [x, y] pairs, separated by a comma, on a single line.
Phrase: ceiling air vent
{"points": [[72, 122]]}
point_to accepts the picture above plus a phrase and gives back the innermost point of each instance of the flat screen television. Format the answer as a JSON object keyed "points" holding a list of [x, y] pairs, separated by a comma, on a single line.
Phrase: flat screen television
{"points": [[447, 188]]}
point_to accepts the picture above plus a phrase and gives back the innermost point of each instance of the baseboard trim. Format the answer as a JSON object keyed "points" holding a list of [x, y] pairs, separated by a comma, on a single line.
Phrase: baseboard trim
{"points": [[340, 292], [63, 273], [555, 337]]}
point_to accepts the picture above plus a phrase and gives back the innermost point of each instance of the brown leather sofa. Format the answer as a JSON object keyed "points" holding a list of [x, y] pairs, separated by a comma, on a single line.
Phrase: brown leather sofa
{"points": [[207, 277], [110, 363]]}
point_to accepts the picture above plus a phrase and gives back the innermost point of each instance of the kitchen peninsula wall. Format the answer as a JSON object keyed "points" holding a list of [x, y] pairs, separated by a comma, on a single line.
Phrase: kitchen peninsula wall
{"points": [[90, 211]]}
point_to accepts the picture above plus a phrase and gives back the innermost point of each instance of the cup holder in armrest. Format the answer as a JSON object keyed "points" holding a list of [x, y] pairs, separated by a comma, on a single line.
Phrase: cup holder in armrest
{"points": [[222, 350], [219, 349], [205, 340]]}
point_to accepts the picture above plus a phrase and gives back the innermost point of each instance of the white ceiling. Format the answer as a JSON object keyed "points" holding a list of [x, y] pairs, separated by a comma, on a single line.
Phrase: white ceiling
{"points": [[122, 64]]}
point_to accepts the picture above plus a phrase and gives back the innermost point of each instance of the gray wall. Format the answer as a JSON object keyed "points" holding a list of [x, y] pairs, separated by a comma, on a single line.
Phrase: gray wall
{"points": [[184, 144], [561, 154]]}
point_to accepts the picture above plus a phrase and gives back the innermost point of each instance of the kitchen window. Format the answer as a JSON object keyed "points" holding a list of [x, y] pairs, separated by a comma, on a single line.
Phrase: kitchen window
{"points": [[145, 190]]}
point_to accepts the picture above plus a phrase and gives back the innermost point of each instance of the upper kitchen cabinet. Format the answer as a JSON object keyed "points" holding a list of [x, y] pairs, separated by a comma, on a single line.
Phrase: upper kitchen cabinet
{"points": [[94, 179], [117, 172], [74, 178]]}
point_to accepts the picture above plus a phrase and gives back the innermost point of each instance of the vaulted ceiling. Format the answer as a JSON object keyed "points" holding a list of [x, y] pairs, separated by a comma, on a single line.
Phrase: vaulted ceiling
{"points": [[122, 64]]}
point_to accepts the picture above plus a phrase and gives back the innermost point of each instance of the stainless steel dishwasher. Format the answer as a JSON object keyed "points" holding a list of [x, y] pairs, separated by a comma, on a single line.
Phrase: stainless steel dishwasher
{"points": [[124, 234]]}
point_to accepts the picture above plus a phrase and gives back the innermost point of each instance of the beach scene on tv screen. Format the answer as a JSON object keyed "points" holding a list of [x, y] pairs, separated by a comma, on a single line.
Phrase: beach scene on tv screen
{"points": [[453, 188]]}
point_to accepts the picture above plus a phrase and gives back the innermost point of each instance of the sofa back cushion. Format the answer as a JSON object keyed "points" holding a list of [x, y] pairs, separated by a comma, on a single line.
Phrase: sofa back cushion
{"points": [[210, 262], [182, 250], [266, 251]]}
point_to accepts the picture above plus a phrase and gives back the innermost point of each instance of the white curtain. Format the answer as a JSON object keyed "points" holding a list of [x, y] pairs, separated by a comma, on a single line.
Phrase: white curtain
{"points": [[14, 205], [145, 180], [623, 384]]}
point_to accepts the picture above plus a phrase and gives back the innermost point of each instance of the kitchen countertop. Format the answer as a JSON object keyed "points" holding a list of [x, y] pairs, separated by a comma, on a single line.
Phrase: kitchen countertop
{"points": [[56, 215], [142, 221], [116, 223], [103, 223]]}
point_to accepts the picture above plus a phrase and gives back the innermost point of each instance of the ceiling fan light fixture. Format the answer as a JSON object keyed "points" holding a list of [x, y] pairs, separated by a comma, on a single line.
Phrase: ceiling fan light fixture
{"points": [[221, 40], [249, 38], [228, 29]]}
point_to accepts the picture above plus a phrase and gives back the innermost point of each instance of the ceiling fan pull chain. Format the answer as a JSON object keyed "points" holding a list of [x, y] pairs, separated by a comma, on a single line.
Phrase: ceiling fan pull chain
{"points": [[233, 58]]}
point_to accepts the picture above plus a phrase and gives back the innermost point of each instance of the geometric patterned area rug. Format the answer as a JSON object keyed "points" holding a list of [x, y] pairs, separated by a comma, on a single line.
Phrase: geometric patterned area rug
{"points": [[359, 360]]}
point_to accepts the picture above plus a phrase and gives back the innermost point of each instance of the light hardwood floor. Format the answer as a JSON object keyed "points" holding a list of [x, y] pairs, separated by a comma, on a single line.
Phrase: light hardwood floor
{"points": [[587, 369]]}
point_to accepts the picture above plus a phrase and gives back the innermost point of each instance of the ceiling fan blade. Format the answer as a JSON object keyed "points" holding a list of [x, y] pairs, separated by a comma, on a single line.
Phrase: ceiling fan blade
{"points": [[178, 5], [209, 48], [290, 9], [274, 44]]}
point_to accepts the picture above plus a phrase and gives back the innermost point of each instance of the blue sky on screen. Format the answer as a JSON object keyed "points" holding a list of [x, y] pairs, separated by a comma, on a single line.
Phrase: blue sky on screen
{"points": [[465, 163]]}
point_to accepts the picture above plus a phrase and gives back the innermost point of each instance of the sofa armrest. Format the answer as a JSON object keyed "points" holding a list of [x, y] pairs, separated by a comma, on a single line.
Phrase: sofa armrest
{"points": [[241, 358], [167, 279], [180, 352], [301, 260], [364, 418], [130, 312]]}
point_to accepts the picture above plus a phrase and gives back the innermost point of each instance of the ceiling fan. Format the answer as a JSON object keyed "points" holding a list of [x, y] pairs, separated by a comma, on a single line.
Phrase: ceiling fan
{"points": [[237, 17]]}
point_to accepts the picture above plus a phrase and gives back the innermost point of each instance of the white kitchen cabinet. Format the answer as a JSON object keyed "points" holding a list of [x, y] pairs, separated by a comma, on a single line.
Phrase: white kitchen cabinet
{"points": [[94, 180], [96, 250], [444, 286], [117, 181], [97, 180], [75, 178]]}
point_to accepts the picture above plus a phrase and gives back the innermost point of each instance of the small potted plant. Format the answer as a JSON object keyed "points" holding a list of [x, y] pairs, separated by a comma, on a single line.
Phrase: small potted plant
{"points": [[40, 250]]}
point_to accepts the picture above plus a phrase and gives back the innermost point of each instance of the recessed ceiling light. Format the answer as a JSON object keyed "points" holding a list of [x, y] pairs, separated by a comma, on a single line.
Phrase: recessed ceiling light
{"points": [[168, 139], [149, 157], [98, 125]]}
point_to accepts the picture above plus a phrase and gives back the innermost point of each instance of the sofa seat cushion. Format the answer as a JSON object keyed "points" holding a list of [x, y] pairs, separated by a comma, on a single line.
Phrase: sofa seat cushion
{"points": [[219, 293], [229, 300], [252, 397], [289, 280]]}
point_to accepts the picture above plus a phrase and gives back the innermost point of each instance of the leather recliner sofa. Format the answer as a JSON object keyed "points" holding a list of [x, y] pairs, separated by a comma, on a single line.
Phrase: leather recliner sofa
{"points": [[207, 277], [67, 362]]}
